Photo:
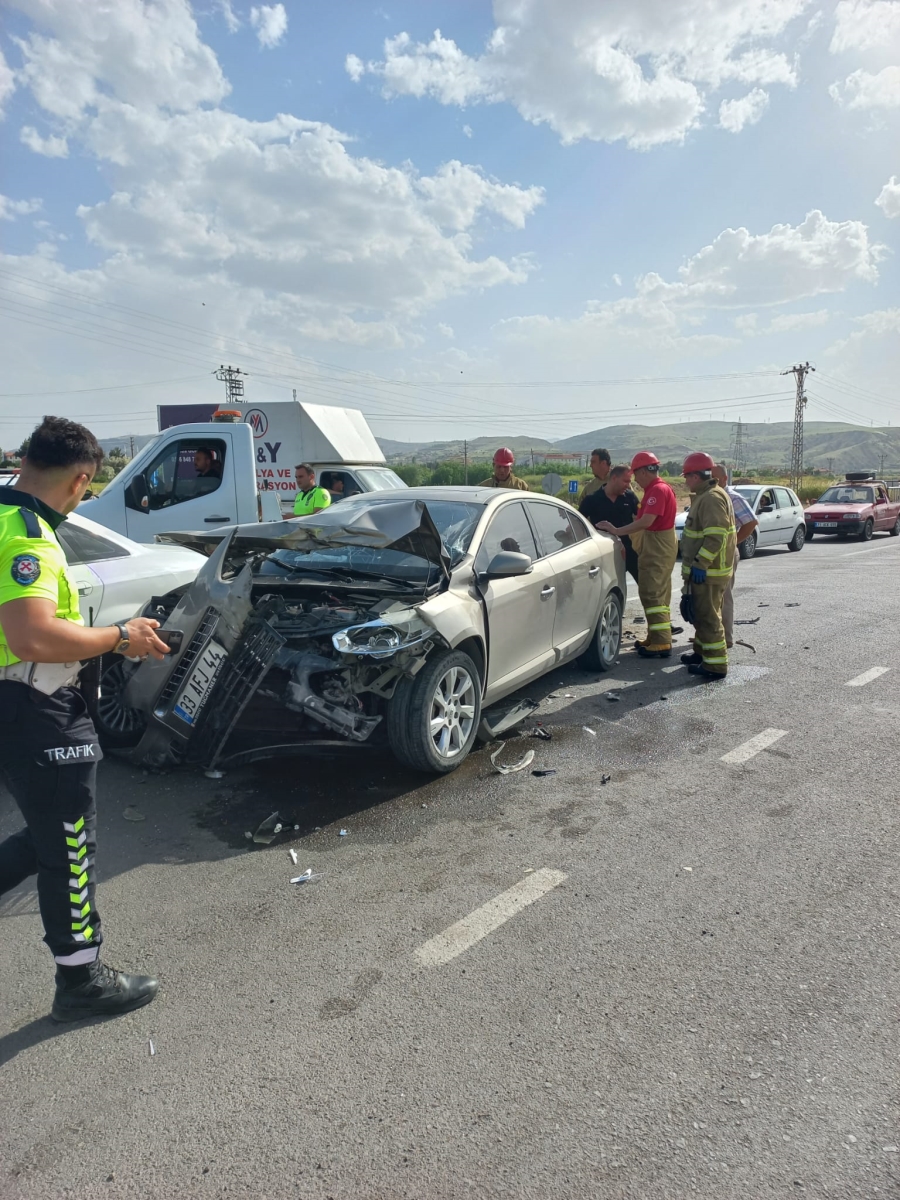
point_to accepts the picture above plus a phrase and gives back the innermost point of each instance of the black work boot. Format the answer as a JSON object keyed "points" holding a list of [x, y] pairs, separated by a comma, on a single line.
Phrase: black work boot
{"points": [[692, 658], [646, 651], [705, 672], [96, 990]]}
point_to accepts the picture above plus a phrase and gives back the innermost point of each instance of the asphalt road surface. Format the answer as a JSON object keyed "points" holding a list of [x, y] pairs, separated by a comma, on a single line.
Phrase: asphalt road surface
{"points": [[682, 982]]}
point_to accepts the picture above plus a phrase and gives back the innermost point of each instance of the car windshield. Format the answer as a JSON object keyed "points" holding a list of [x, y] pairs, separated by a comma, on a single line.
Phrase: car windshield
{"points": [[843, 494], [379, 479], [749, 493], [454, 520]]}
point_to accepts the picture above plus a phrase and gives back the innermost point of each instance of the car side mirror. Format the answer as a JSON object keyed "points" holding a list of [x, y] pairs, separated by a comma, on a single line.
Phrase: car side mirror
{"points": [[506, 564], [767, 508], [136, 497]]}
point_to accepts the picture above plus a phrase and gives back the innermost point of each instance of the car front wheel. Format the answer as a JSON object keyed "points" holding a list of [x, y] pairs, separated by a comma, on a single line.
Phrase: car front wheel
{"points": [[433, 718], [798, 540], [865, 534], [747, 548], [118, 726], [603, 648]]}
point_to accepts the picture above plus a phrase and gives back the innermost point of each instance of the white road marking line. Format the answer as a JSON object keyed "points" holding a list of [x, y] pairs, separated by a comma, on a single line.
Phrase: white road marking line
{"points": [[762, 741], [669, 670], [868, 550], [867, 676], [478, 924]]}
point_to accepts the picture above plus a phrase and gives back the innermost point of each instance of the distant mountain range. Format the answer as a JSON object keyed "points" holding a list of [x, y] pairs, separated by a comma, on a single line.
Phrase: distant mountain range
{"points": [[830, 445]]}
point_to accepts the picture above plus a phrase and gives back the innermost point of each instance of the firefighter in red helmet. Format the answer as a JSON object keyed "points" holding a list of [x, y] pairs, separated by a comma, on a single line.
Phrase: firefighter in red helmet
{"points": [[653, 537], [707, 562], [503, 477]]}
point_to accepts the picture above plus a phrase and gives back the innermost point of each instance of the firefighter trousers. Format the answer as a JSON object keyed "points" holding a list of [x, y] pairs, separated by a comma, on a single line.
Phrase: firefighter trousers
{"points": [[48, 760], [709, 632], [657, 553]]}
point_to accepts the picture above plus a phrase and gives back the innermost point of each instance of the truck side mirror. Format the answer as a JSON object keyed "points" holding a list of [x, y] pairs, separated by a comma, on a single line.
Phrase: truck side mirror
{"points": [[136, 497]]}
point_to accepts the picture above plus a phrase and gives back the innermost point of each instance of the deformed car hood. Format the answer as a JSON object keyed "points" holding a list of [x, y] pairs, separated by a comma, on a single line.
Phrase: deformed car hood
{"points": [[402, 525]]}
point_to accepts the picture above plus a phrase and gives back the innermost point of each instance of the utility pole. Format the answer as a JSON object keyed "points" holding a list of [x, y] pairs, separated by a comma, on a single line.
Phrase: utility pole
{"points": [[466, 458], [881, 468], [131, 440], [799, 372], [234, 383], [738, 452]]}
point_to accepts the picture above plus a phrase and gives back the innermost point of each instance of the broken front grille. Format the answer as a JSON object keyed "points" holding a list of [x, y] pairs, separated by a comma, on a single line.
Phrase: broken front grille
{"points": [[204, 632], [240, 677]]}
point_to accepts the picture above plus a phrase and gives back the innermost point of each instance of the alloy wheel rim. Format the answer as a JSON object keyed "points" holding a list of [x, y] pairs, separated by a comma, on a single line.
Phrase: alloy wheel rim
{"points": [[609, 630], [452, 716], [114, 713]]}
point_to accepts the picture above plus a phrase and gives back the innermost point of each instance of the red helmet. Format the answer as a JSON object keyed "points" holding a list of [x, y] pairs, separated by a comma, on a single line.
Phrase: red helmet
{"points": [[504, 457], [644, 458], [697, 462]]}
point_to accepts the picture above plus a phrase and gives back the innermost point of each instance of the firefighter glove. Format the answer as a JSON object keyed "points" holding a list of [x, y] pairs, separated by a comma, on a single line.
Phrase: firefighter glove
{"points": [[698, 575]]}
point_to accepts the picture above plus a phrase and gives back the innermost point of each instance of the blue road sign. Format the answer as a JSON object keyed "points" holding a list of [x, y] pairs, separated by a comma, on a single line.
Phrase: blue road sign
{"points": [[573, 486]]}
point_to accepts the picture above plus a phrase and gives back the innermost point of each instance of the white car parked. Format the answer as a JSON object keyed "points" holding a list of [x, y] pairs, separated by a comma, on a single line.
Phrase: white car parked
{"points": [[779, 513], [116, 580]]}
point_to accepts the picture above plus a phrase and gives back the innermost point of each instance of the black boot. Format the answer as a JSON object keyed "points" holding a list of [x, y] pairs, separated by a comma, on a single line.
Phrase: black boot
{"points": [[646, 651], [704, 672], [692, 658], [96, 990]]}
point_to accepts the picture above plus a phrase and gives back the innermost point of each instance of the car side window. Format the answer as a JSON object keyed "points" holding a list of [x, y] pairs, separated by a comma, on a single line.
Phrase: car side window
{"points": [[784, 498], [184, 470], [80, 546], [766, 499], [509, 530], [554, 531], [579, 527]]}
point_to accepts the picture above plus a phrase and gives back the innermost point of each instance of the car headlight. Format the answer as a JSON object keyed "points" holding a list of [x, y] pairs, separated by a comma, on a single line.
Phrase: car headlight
{"points": [[851, 516], [377, 639]]}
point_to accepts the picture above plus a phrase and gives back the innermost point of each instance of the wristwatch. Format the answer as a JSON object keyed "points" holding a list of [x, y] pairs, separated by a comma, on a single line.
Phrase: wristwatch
{"points": [[124, 640]]}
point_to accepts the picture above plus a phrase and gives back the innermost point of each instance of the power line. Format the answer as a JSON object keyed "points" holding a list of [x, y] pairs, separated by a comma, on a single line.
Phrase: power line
{"points": [[117, 387]]}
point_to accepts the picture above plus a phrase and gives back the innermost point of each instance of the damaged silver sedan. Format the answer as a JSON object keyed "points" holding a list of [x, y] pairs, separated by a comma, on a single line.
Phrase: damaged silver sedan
{"points": [[388, 617]]}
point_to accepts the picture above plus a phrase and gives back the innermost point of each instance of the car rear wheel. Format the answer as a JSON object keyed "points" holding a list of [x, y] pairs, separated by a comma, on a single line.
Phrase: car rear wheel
{"points": [[798, 540], [433, 718], [865, 534], [747, 548], [603, 649], [895, 528], [118, 726]]}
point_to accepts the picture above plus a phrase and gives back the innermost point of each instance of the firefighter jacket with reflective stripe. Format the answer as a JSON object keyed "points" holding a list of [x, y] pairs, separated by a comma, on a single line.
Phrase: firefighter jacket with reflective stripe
{"points": [[709, 535], [512, 482]]}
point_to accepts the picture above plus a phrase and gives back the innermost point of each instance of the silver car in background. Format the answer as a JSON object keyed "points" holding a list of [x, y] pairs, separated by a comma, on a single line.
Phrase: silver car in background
{"points": [[779, 513], [389, 617]]}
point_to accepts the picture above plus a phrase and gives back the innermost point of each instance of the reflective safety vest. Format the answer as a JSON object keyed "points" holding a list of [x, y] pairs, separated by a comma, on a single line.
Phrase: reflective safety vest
{"points": [[709, 534], [32, 562], [307, 502]]}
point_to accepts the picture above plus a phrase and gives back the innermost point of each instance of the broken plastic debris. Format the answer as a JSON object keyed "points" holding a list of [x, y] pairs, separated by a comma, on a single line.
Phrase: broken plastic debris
{"points": [[590, 731], [762, 606], [541, 774], [525, 761], [793, 604], [293, 854], [747, 621], [214, 774], [249, 835], [133, 814], [540, 732], [640, 620], [746, 645], [568, 695], [613, 697], [305, 877], [343, 832], [604, 779], [152, 1048], [688, 869], [268, 830]]}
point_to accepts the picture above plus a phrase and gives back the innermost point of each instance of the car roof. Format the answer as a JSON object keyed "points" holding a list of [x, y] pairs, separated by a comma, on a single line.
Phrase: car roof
{"points": [[468, 495]]}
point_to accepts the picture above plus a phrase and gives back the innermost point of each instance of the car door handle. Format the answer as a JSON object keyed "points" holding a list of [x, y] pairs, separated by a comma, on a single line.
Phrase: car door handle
{"points": [[213, 520], [85, 589], [593, 571], [547, 592]]}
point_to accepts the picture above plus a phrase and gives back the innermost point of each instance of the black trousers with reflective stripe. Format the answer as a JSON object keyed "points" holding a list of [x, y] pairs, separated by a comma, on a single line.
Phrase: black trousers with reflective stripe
{"points": [[48, 760]]}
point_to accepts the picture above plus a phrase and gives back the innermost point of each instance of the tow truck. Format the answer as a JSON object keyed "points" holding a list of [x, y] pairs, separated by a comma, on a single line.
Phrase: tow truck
{"points": [[858, 507]]}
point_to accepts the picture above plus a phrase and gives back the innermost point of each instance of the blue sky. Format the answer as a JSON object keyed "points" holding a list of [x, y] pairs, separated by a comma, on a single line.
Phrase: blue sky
{"points": [[476, 232]]}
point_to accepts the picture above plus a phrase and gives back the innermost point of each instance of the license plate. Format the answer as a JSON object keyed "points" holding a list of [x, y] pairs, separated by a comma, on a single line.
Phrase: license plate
{"points": [[826, 524], [200, 681]]}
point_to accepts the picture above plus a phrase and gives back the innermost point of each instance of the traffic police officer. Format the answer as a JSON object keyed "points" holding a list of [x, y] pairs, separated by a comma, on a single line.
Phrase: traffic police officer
{"points": [[707, 563], [503, 477], [48, 746], [310, 499], [654, 540]]}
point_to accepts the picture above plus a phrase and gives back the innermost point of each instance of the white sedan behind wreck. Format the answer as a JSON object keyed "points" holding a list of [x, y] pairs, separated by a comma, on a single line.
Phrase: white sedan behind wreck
{"points": [[390, 615]]}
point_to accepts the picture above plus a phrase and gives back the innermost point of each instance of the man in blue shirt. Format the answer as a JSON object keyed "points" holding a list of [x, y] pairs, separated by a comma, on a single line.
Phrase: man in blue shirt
{"points": [[745, 523]]}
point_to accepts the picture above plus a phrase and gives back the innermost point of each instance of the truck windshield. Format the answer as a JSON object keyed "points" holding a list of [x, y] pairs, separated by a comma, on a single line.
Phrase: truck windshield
{"points": [[847, 495], [454, 520], [380, 479]]}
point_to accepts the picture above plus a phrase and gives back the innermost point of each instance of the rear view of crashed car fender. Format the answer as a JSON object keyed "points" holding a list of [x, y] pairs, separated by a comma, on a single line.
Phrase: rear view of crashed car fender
{"points": [[375, 621]]}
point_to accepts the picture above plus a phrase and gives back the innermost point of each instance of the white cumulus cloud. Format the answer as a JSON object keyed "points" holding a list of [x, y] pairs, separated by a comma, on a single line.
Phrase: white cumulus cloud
{"points": [[735, 115], [7, 82], [270, 22], [633, 70], [10, 209], [865, 25], [889, 198], [865, 90], [50, 147]]}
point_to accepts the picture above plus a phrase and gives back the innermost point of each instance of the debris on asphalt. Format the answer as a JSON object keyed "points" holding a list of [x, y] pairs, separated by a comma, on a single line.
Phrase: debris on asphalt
{"points": [[152, 1048], [541, 774], [306, 877], [793, 604], [688, 869], [214, 774], [746, 645], [640, 620], [343, 832], [268, 830], [664, 697], [613, 697], [604, 779], [525, 761], [133, 814], [540, 732], [249, 835], [763, 606], [568, 695], [590, 731], [748, 621], [293, 854]]}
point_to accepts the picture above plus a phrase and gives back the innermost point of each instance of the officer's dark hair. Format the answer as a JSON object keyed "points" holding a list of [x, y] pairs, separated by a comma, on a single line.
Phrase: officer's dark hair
{"points": [[58, 443], [307, 467], [602, 455]]}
